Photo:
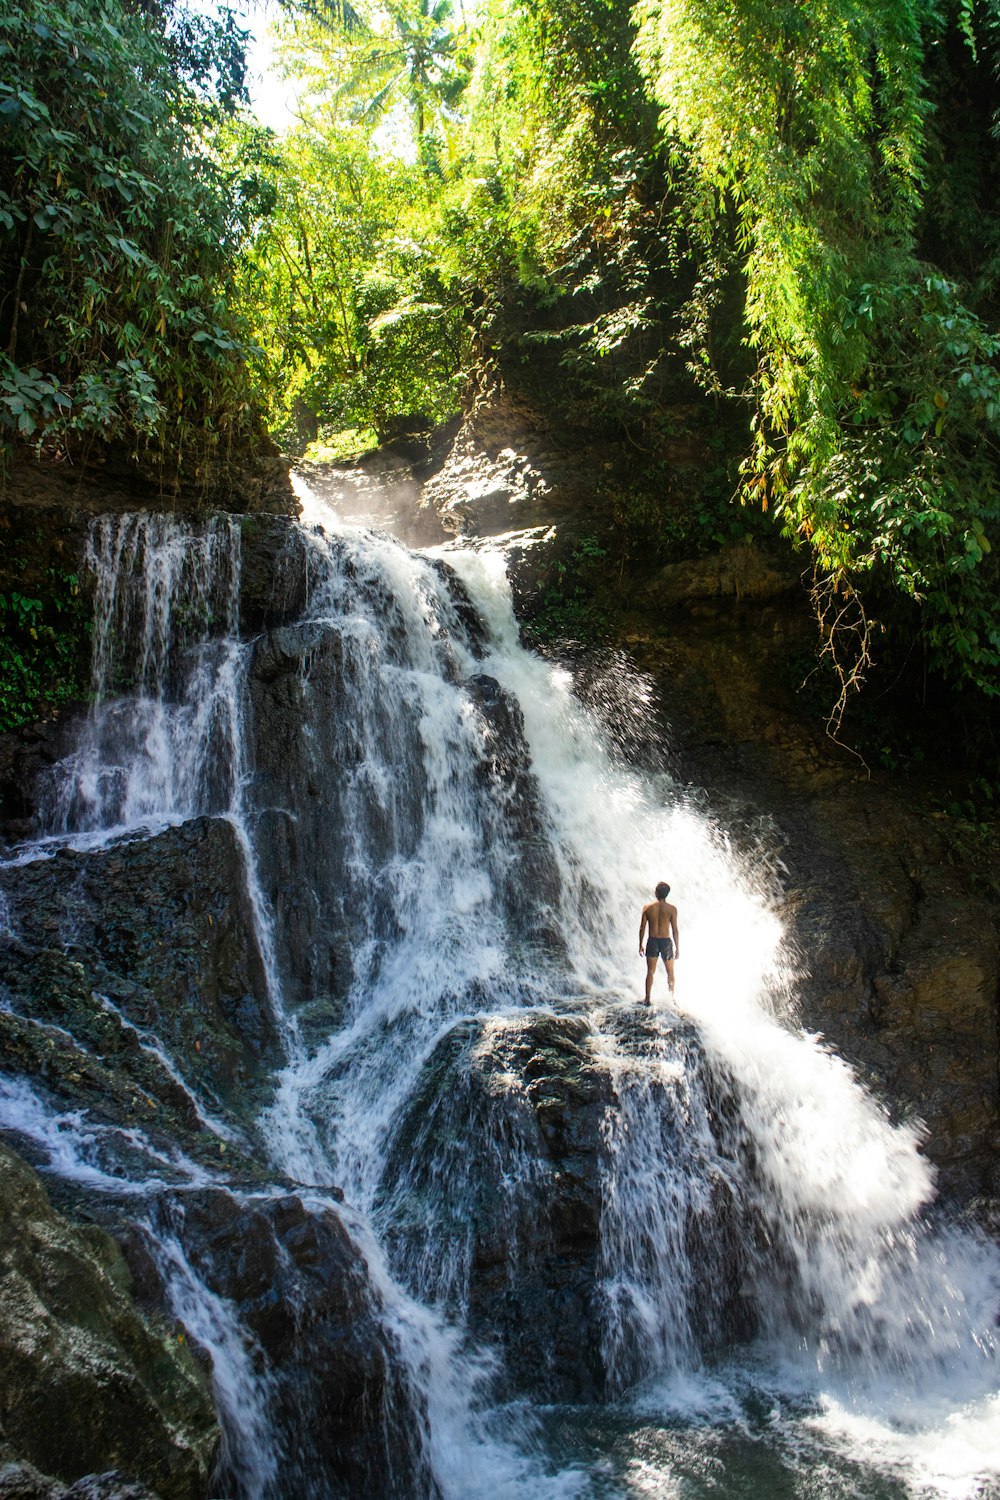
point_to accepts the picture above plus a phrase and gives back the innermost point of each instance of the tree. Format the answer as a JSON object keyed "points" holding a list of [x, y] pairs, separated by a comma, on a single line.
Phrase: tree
{"points": [[412, 55], [876, 389], [117, 227], [342, 283]]}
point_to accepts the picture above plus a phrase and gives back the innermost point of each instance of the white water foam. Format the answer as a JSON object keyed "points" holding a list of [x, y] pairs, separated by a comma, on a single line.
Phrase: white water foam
{"points": [[165, 628]]}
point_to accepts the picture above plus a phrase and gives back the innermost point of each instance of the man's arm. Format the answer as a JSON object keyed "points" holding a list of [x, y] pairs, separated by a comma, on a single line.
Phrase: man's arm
{"points": [[642, 929], [673, 930]]}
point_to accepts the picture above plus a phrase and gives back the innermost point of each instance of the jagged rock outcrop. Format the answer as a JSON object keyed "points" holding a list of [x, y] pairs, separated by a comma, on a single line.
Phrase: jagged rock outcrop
{"points": [[518, 1231], [274, 572], [513, 466], [107, 950], [296, 675], [339, 1416], [87, 1383]]}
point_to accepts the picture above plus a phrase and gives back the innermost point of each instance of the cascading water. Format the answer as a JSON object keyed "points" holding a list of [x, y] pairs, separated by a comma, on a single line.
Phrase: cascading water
{"points": [[168, 747], [697, 1217]]}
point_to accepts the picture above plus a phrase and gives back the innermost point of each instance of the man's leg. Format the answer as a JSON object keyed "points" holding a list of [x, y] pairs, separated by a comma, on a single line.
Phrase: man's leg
{"points": [[650, 971], [669, 966]]}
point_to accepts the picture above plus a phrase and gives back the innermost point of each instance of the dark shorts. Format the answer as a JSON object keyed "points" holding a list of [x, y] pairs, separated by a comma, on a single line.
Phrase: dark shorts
{"points": [[660, 948]]}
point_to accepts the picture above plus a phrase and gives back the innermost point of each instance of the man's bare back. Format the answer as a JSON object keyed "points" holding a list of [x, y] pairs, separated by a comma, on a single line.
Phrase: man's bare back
{"points": [[660, 917]]}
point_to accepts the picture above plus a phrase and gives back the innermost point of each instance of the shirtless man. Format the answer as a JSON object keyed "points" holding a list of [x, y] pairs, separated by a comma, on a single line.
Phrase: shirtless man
{"points": [[661, 919]]}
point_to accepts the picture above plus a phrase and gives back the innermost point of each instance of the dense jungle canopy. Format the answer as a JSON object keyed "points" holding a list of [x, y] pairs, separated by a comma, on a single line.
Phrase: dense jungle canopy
{"points": [[783, 215]]}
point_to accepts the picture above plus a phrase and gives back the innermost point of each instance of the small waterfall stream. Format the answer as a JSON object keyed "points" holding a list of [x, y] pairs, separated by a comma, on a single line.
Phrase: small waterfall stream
{"points": [[610, 1252]]}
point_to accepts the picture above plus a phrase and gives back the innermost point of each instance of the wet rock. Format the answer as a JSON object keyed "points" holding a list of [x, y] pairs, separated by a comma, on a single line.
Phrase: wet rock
{"points": [[339, 1407], [20, 1481], [305, 748], [340, 784], [27, 756], [86, 1382], [274, 572], [473, 627], [114, 953], [530, 882], [517, 1232]]}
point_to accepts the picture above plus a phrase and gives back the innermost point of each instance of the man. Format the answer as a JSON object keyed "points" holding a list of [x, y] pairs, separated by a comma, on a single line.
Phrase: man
{"points": [[661, 919]]}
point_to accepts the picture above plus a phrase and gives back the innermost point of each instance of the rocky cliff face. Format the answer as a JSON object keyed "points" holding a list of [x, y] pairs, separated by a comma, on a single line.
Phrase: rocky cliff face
{"points": [[107, 954], [113, 963]]}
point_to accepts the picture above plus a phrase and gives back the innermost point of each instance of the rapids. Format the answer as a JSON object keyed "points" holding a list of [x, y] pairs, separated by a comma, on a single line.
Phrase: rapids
{"points": [[770, 1307]]}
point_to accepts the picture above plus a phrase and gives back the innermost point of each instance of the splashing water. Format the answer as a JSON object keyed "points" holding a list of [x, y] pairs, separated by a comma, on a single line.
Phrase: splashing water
{"points": [[493, 857]]}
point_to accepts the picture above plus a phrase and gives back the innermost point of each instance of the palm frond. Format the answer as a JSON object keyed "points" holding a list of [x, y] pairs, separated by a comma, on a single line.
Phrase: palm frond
{"points": [[335, 15]]}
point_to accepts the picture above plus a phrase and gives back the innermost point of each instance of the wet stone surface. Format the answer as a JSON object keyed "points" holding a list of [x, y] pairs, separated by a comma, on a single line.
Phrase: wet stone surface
{"points": [[515, 1233], [86, 1380], [21, 1481], [341, 1420], [132, 983]]}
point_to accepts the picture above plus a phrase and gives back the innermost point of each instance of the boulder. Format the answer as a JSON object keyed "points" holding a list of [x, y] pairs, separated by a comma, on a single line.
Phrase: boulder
{"points": [[498, 1199], [87, 1383]]}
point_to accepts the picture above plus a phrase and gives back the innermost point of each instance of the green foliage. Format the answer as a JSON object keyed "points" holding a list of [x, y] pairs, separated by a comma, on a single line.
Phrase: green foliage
{"points": [[912, 496], [572, 603], [343, 286], [350, 281], [368, 62], [654, 524], [592, 275], [43, 649], [117, 226], [875, 390]]}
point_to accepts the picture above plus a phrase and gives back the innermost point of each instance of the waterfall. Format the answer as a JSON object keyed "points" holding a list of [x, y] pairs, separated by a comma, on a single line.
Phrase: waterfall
{"points": [[558, 1201], [165, 629]]}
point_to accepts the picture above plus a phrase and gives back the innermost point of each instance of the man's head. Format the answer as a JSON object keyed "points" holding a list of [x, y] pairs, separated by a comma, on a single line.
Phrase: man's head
{"points": [[662, 891]]}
